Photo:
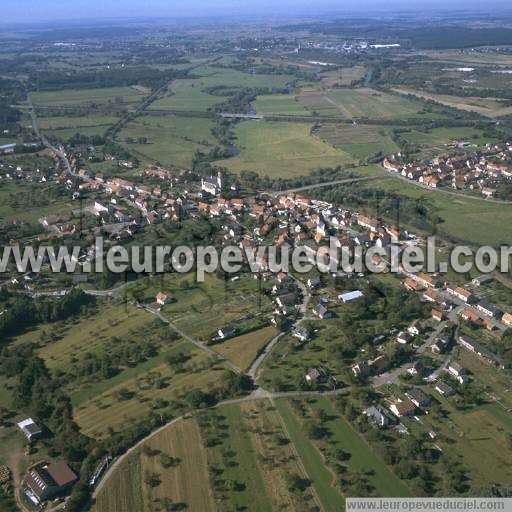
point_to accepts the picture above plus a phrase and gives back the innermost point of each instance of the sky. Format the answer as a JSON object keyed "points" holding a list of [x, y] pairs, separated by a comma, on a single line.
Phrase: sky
{"points": [[29, 11]]}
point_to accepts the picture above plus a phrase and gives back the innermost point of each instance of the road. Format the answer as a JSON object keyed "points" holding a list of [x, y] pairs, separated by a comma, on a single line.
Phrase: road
{"points": [[321, 185], [33, 117]]}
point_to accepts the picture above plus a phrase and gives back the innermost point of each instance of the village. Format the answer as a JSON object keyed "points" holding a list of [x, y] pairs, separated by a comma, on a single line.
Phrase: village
{"points": [[483, 171]]}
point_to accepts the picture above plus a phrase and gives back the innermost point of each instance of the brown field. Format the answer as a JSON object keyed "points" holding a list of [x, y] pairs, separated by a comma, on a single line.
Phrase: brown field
{"points": [[489, 107], [188, 481]]}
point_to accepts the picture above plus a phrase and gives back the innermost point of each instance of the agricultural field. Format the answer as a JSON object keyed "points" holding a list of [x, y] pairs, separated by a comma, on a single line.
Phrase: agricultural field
{"points": [[282, 149], [186, 95], [170, 140], [200, 309], [117, 96], [29, 202], [360, 104], [243, 350], [343, 76], [280, 104], [488, 107], [476, 436], [133, 395], [64, 127], [360, 140], [176, 458]]}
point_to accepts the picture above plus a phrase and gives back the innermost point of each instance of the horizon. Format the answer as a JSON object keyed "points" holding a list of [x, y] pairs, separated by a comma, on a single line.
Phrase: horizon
{"points": [[13, 12]]}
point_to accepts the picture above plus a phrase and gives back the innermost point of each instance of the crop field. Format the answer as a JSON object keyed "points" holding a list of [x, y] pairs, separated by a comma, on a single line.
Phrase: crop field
{"points": [[321, 476], [91, 334], [65, 127], [13, 202], [256, 459], [86, 97], [488, 107], [171, 140], [280, 104], [124, 489], [433, 142], [477, 436], [359, 103], [212, 76], [344, 436], [282, 149], [132, 398], [469, 57], [343, 76], [186, 95], [358, 140], [243, 350], [476, 221]]}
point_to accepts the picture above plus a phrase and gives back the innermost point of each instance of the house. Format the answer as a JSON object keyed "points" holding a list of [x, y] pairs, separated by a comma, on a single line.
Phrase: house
{"points": [[361, 369], [228, 332], [481, 280], [427, 280], [489, 309], [381, 416], [162, 298], [439, 346], [48, 480], [413, 286], [456, 369], [302, 333], [322, 312], [437, 315], [444, 389], [349, 296], [30, 428], [486, 355], [415, 328], [470, 316], [314, 282], [507, 319], [418, 397], [287, 299], [461, 293], [379, 364], [314, 375], [212, 185], [403, 408], [403, 338]]}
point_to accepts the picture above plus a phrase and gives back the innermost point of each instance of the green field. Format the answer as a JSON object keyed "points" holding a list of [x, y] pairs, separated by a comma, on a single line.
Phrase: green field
{"points": [[15, 203], [65, 127], [186, 95], [360, 103], [200, 309], [475, 221], [171, 140], [342, 76], [87, 97], [359, 140], [321, 476], [281, 149], [280, 104]]}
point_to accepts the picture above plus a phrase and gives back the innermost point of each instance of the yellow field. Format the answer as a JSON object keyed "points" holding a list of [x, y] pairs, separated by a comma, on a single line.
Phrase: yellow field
{"points": [[244, 349]]}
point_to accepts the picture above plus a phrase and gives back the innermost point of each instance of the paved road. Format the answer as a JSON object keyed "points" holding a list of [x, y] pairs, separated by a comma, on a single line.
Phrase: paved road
{"points": [[322, 184], [33, 117]]}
